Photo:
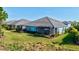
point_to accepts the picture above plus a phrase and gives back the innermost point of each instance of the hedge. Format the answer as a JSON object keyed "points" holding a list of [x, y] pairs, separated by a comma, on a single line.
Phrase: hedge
{"points": [[74, 32]]}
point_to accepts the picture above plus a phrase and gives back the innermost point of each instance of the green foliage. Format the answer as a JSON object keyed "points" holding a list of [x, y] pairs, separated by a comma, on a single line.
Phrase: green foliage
{"points": [[68, 30], [74, 32], [3, 17], [3, 14], [15, 41], [75, 25], [77, 36], [57, 34]]}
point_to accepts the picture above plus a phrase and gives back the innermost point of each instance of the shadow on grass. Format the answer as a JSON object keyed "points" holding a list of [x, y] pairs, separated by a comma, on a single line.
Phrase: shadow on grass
{"points": [[35, 35], [17, 31], [68, 40]]}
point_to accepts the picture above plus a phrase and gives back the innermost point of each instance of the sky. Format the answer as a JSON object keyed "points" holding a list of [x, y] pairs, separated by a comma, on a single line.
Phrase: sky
{"points": [[34, 13]]}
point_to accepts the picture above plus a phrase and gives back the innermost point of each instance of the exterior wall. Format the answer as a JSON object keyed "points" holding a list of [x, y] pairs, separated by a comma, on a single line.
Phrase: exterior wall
{"points": [[23, 27], [52, 31], [20, 26], [31, 28], [69, 25], [43, 30], [11, 27], [61, 30], [57, 30]]}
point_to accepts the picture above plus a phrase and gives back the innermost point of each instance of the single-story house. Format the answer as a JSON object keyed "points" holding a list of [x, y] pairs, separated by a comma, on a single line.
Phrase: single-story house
{"points": [[67, 23], [18, 24], [11, 25], [46, 26]]}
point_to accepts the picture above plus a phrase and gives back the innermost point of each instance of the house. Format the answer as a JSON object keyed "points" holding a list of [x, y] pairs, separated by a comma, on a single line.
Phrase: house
{"points": [[21, 23], [46, 26], [67, 23], [11, 24], [18, 24]]}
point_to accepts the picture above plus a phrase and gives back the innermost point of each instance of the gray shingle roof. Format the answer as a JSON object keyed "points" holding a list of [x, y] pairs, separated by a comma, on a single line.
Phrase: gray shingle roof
{"points": [[40, 22], [22, 22], [56, 23], [10, 22], [18, 22], [47, 22]]}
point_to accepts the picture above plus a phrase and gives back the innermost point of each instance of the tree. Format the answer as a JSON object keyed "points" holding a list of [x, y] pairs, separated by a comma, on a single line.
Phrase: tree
{"points": [[3, 17], [75, 25]]}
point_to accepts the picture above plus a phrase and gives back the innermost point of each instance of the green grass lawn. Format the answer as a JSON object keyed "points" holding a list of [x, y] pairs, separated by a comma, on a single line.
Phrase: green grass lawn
{"points": [[66, 41], [11, 38], [24, 37]]}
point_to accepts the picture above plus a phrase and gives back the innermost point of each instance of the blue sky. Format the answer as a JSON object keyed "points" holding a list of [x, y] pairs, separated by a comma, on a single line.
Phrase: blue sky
{"points": [[34, 13]]}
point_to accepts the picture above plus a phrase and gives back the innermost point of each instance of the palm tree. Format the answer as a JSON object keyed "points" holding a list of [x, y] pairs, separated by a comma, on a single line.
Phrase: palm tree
{"points": [[3, 17]]}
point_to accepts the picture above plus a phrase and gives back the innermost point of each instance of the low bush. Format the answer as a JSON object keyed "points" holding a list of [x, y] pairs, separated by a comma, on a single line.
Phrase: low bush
{"points": [[74, 32]]}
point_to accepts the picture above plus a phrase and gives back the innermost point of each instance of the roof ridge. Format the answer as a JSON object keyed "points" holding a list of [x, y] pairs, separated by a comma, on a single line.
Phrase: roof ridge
{"points": [[50, 21]]}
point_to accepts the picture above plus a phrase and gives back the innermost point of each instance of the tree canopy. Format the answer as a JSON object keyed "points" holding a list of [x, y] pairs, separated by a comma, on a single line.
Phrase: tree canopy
{"points": [[3, 14], [3, 17]]}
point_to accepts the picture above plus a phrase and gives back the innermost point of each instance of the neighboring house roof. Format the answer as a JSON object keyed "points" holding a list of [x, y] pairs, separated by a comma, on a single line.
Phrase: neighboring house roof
{"points": [[47, 22], [22, 22], [18, 22], [66, 22], [10, 22]]}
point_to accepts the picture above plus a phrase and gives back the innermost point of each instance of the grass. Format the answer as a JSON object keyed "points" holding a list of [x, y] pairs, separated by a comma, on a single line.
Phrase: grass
{"points": [[19, 41], [26, 41], [66, 41], [12, 39], [23, 37]]}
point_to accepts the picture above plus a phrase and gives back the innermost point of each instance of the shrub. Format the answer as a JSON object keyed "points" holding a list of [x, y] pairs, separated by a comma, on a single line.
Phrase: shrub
{"points": [[77, 38], [74, 32], [68, 30]]}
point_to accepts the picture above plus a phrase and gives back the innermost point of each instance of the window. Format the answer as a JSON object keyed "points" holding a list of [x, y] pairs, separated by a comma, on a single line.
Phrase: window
{"points": [[56, 30]]}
